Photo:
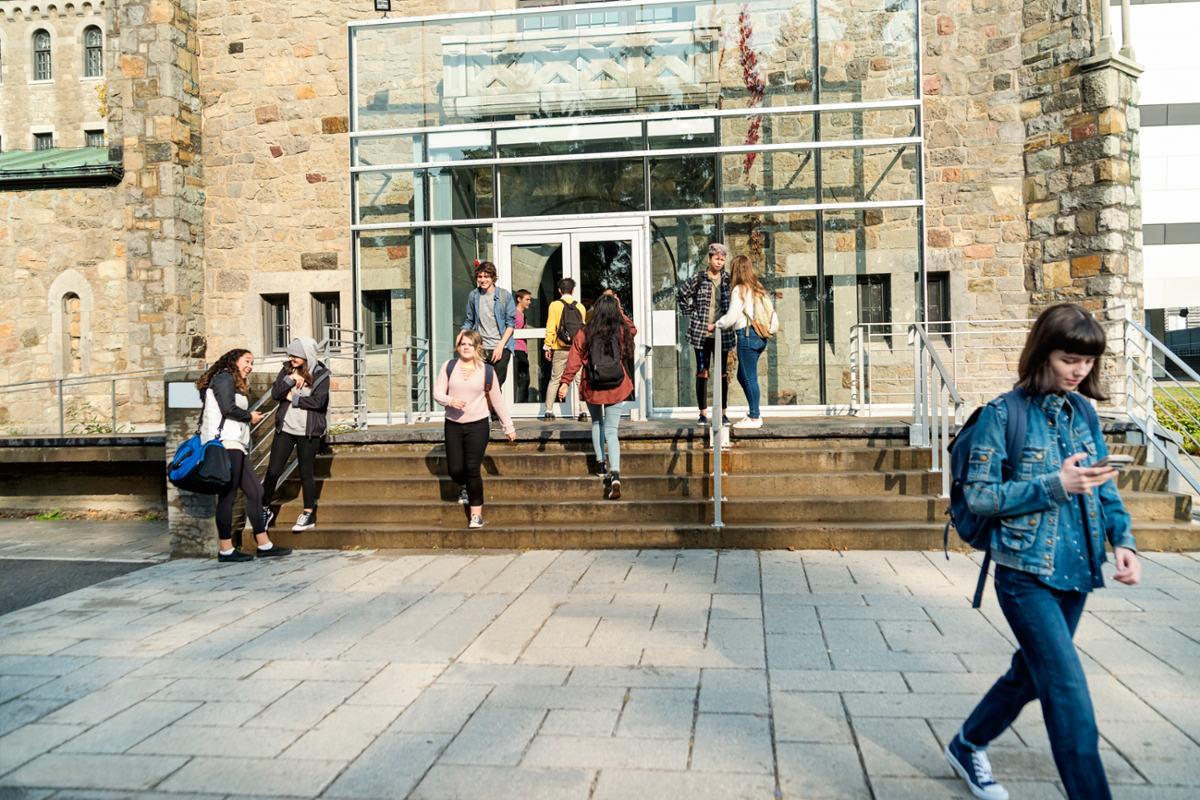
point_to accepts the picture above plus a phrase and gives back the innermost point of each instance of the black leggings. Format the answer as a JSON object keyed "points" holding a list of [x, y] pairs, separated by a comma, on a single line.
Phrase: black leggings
{"points": [[466, 442], [246, 479], [704, 359], [281, 451]]}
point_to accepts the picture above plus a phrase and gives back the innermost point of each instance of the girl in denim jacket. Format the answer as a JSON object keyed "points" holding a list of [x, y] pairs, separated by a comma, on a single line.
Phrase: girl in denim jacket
{"points": [[1055, 513]]}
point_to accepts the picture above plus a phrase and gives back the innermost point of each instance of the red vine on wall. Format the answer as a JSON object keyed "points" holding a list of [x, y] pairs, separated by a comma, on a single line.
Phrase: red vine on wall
{"points": [[752, 78]]}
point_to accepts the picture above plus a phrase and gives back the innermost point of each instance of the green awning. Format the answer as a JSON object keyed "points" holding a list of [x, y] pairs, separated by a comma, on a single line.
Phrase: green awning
{"points": [[38, 169]]}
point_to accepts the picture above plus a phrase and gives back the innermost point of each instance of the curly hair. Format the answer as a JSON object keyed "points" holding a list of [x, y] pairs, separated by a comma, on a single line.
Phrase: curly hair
{"points": [[226, 363]]}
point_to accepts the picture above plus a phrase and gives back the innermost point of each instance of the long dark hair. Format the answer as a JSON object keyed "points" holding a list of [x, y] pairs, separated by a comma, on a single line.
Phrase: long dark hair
{"points": [[605, 321], [226, 363], [1068, 327]]}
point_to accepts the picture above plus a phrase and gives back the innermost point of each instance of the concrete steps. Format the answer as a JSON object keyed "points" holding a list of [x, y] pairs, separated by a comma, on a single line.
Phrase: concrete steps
{"points": [[856, 492]]}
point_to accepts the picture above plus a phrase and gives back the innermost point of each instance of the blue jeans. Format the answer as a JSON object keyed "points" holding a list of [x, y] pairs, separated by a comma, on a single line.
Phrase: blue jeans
{"points": [[749, 347], [605, 443], [1046, 668]]}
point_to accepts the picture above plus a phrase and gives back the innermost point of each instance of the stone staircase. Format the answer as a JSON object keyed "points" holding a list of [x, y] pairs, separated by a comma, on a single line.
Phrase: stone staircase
{"points": [[851, 488]]}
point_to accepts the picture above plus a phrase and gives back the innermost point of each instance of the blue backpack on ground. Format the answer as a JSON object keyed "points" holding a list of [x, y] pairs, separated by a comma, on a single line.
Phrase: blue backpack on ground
{"points": [[202, 468], [975, 529]]}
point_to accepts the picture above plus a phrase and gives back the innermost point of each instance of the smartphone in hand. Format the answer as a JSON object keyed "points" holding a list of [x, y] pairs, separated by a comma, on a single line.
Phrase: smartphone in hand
{"points": [[1116, 461]]}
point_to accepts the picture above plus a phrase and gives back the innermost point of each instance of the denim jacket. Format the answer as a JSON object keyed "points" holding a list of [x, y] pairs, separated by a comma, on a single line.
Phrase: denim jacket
{"points": [[503, 305], [1034, 507]]}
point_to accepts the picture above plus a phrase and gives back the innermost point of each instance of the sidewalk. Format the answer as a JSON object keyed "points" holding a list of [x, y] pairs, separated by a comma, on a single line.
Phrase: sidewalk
{"points": [[561, 675]]}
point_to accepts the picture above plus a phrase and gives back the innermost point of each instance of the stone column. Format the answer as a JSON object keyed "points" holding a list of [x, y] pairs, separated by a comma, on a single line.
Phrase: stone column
{"points": [[1082, 169], [155, 114], [191, 517]]}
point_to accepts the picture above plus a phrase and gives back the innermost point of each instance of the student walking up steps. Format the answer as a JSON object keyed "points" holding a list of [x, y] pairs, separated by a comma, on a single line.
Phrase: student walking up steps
{"points": [[753, 320], [462, 388], [302, 389], [226, 416], [1056, 512], [600, 351]]}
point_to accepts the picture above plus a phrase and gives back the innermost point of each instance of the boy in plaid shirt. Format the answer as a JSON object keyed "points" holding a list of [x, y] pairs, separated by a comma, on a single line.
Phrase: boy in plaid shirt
{"points": [[703, 299]]}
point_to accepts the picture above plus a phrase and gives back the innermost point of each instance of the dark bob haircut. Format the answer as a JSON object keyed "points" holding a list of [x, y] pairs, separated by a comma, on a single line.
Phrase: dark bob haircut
{"points": [[1062, 327]]}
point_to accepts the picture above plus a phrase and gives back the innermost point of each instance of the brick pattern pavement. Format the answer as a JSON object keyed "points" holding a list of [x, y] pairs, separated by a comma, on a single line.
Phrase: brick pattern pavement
{"points": [[603, 675]]}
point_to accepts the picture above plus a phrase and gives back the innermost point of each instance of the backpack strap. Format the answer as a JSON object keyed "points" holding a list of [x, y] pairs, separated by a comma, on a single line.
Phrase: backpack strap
{"points": [[450, 367], [1017, 407], [488, 373]]}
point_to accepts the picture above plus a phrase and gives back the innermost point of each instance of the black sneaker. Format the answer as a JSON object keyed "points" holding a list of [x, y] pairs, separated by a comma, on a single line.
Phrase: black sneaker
{"points": [[306, 521], [464, 499], [550, 416], [583, 416], [236, 555], [601, 468], [614, 487], [273, 552], [974, 768], [268, 517]]}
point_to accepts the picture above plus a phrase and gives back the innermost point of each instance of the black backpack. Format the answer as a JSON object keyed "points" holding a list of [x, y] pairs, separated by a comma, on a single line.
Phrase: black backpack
{"points": [[604, 367], [569, 324]]}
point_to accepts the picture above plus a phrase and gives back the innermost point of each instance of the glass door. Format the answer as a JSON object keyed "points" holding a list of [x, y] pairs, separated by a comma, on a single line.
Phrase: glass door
{"points": [[599, 260]]}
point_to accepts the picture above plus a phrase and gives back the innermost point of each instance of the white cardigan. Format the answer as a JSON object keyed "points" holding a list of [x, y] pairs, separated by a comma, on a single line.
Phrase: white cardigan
{"points": [[234, 434], [741, 311]]}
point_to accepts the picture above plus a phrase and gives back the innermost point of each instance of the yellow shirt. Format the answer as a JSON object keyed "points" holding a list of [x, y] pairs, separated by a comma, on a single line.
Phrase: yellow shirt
{"points": [[554, 318]]}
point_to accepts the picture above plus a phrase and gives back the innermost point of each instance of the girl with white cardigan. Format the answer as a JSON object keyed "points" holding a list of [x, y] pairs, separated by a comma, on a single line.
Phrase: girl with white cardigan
{"points": [[746, 297]]}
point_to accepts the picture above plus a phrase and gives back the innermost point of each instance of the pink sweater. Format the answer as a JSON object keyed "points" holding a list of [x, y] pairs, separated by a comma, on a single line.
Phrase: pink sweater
{"points": [[470, 389]]}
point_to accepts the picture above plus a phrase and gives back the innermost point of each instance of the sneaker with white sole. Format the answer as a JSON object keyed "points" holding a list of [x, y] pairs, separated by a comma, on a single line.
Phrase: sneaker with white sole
{"points": [[476, 521], [748, 422], [463, 498], [974, 768], [306, 521]]}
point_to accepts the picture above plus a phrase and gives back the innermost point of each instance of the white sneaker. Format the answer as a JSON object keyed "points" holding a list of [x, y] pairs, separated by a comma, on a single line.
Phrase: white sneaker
{"points": [[476, 521], [748, 422]]}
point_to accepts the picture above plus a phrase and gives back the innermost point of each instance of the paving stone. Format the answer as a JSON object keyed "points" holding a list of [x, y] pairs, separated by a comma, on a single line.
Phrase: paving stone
{"points": [[304, 706], [344, 734], [624, 784], [504, 783], [217, 714], [658, 714], [582, 656], [172, 667], [1157, 750], [253, 776], [820, 772], [440, 709], [586, 697], [390, 767], [397, 684], [88, 771], [732, 743], [579, 722], [712, 657], [797, 652], [646, 677], [183, 740], [506, 638], [495, 674], [900, 748], [226, 691], [85, 680], [34, 645], [52, 666], [912, 705], [740, 691], [810, 717], [26, 743], [494, 736], [12, 686], [355, 671], [784, 680], [956, 789], [569, 752], [124, 730], [19, 712]]}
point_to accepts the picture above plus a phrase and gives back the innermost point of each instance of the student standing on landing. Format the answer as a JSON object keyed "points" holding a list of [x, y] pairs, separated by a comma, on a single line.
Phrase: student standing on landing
{"points": [[302, 389], [747, 297], [521, 348], [702, 299], [606, 339], [493, 313], [460, 388], [226, 416], [565, 316], [1056, 513]]}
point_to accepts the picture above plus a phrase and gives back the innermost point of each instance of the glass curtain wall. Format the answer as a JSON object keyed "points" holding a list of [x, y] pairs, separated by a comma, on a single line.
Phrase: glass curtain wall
{"points": [[791, 131]]}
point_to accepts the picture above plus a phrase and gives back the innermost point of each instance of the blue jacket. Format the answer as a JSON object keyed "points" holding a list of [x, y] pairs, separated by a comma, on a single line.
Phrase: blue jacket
{"points": [[1034, 507], [505, 308]]}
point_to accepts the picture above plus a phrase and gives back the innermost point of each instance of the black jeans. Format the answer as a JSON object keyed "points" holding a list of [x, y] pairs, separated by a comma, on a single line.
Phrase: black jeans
{"points": [[466, 443], [522, 371], [246, 479], [704, 359], [501, 367], [281, 451], [1046, 668]]}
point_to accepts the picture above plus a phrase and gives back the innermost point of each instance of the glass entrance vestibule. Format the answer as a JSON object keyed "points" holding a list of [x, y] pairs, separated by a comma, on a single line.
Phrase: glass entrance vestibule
{"points": [[612, 143]]}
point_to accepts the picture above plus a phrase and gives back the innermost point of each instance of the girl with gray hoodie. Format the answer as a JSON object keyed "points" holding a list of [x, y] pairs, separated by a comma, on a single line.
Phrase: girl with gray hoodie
{"points": [[302, 389]]}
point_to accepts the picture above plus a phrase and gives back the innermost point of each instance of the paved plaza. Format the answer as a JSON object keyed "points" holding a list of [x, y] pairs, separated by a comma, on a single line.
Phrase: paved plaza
{"points": [[569, 674]]}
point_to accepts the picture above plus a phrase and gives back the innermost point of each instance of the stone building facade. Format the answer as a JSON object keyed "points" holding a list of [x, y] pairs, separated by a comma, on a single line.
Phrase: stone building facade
{"points": [[235, 214]]}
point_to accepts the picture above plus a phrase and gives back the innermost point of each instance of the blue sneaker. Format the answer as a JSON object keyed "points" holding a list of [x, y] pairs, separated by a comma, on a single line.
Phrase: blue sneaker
{"points": [[974, 768]]}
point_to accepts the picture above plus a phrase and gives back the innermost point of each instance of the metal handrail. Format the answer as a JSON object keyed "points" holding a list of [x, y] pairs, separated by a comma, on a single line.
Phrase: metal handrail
{"points": [[933, 392], [716, 424]]}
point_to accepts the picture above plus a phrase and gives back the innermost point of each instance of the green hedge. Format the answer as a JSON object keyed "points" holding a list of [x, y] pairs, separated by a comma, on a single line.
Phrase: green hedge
{"points": [[1179, 404]]}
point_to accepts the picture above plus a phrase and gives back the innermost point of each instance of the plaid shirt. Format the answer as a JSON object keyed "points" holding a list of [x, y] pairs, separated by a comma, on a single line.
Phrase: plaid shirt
{"points": [[694, 298]]}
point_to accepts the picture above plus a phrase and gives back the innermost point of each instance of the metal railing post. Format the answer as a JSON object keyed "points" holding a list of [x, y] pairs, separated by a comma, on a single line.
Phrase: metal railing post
{"points": [[389, 389], [717, 426], [62, 428], [113, 396]]}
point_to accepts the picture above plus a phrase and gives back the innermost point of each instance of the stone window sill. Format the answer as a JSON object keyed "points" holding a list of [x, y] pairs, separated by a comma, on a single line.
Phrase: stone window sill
{"points": [[42, 83]]}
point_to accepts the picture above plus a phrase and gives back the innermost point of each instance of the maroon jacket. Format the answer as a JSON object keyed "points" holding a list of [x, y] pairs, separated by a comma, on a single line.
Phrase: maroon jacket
{"points": [[575, 362]]}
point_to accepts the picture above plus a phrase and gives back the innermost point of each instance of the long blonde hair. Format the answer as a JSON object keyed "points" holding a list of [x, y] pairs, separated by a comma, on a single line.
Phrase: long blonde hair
{"points": [[741, 273], [476, 339]]}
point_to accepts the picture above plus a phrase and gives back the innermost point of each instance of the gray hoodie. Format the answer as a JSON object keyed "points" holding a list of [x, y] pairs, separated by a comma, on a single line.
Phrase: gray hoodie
{"points": [[306, 411]]}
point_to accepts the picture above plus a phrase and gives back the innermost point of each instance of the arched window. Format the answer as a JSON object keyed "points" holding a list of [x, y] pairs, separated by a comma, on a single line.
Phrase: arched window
{"points": [[93, 42], [73, 335], [41, 57]]}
